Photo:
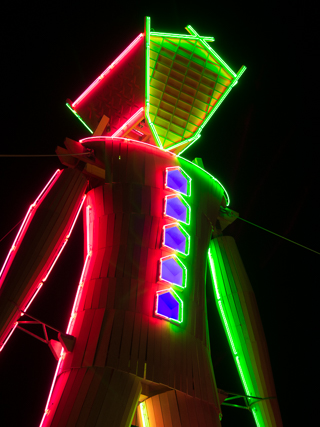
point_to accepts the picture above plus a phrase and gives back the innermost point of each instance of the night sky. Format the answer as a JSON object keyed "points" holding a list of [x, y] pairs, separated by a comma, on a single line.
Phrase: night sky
{"points": [[261, 144]]}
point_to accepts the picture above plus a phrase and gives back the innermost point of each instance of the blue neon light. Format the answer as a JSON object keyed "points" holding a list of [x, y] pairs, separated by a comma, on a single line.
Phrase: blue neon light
{"points": [[177, 181], [172, 272], [176, 209], [168, 306], [175, 239]]}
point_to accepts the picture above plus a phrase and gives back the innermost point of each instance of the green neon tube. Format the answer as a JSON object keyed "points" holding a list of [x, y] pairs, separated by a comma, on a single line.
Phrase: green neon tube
{"points": [[147, 84], [77, 115], [232, 317]]}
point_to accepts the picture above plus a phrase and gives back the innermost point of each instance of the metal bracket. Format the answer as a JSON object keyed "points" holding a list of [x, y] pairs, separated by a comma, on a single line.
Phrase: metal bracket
{"points": [[247, 405], [65, 341]]}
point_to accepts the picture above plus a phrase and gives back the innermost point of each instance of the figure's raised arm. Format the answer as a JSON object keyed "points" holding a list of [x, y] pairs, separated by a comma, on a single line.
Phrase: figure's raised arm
{"points": [[240, 317], [40, 240]]}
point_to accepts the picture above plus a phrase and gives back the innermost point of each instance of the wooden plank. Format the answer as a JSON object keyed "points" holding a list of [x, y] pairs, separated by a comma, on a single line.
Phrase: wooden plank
{"points": [[93, 337], [192, 411], [165, 348], [113, 404], [82, 339], [112, 282], [135, 343], [113, 260], [96, 292], [135, 261], [103, 344], [174, 409], [67, 402], [150, 412], [165, 409], [95, 264], [157, 411], [157, 351], [120, 261], [106, 261], [125, 230], [64, 397], [115, 340], [107, 198], [183, 409], [200, 412], [87, 301], [103, 292], [99, 398], [126, 341], [150, 349], [142, 346], [80, 398], [130, 395], [133, 295], [103, 227]]}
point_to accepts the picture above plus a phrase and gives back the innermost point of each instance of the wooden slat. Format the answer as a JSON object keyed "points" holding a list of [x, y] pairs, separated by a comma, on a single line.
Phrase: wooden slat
{"points": [[80, 399], [157, 411], [165, 409], [82, 339], [67, 402], [64, 397], [126, 341], [115, 340], [135, 343], [96, 293], [93, 338], [99, 397], [104, 339], [142, 346], [192, 412], [183, 409], [174, 409]]}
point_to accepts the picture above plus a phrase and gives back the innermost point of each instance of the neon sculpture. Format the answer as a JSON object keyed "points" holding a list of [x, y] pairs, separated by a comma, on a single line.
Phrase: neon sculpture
{"points": [[136, 349]]}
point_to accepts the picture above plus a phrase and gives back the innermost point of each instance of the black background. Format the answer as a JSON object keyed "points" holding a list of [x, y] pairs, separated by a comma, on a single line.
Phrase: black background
{"points": [[261, 144]]}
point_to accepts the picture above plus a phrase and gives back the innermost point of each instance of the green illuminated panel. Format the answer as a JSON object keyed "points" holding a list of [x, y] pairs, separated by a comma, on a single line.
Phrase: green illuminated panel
{"points": [[186, 81]]}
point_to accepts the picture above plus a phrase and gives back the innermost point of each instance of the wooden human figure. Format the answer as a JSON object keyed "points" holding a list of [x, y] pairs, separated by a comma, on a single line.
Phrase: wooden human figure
{"points": [[139, 320]]}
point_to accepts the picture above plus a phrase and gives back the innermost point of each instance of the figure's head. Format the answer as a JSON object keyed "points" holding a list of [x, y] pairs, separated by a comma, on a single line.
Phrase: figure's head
{"points": [[162, 90]]}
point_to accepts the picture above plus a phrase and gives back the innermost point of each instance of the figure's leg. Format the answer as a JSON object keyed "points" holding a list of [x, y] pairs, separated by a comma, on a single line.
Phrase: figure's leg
{"points": [[93, 397], [176, 409]]}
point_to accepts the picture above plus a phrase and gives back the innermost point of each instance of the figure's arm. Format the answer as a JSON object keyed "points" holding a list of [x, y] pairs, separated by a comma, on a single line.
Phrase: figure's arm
{"points": [[40, 240], [241, 320]]}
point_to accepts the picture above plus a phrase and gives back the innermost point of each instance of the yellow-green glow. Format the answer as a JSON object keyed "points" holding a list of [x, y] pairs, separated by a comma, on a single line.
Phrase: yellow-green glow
{"points": [[144, 414]]}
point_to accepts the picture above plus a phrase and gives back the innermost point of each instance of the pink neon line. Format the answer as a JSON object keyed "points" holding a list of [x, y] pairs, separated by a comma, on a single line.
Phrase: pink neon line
{"points": [[51, 389], [79, 292], [9, 335], [55, 260], [48, 184], [89, 245], [34, 295], [128, 122], [76, 217], [27, 219], [114, 63]]}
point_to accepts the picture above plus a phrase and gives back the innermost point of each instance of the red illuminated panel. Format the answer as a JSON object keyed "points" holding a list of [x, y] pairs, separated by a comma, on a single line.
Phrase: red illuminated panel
{"points": [[106, 72]]}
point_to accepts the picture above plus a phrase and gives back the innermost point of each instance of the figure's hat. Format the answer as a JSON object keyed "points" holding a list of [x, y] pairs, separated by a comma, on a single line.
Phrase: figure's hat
{"points": [[162, 90]]}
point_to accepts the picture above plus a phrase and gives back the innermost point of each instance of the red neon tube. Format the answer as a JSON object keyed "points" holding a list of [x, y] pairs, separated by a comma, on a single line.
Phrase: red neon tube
{"points": [[106, 72]]}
